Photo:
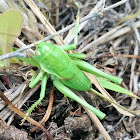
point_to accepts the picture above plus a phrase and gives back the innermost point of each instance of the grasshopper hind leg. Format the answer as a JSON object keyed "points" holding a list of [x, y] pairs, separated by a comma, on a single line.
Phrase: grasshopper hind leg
{"points": [[67, 92]]}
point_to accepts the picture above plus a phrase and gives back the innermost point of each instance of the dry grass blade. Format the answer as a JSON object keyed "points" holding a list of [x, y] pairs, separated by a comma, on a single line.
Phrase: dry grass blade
{"points": [[96, 122], [45, 22], [114, 33], [128, 56]]}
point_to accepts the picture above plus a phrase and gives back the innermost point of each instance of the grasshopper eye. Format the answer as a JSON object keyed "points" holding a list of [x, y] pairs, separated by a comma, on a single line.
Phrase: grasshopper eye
{"points": [[38, 53]]}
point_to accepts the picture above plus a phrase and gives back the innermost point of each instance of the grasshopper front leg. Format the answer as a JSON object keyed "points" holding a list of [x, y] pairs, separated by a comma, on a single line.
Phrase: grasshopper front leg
{"points": [[34, 81], [42, 93]]}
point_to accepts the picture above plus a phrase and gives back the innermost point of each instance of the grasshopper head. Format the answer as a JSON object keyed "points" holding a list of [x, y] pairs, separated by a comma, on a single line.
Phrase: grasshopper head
{"points": [[42, 50]]}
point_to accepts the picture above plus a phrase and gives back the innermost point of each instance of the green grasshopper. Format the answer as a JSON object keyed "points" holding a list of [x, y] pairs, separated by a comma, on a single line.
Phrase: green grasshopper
{"points": [[65, 70]]}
